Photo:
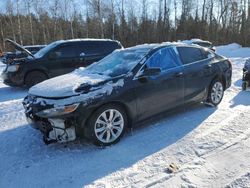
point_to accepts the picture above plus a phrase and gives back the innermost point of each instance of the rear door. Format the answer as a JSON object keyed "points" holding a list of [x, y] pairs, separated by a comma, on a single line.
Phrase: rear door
{"points": [[197, 72], [156, 94]]}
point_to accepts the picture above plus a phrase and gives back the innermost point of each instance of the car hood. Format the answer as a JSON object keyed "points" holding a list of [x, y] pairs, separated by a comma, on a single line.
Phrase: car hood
{"points": [[68, 85], [19, 47]]}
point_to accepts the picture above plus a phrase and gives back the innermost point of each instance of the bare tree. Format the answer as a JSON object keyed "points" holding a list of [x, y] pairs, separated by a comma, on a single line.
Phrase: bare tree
{"points": [[19, 22], [131, 22], [28, 7], [10, 14]]}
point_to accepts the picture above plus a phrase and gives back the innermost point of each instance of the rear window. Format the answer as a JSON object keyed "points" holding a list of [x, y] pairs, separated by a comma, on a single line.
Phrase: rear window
{"points": [[190, 54]]}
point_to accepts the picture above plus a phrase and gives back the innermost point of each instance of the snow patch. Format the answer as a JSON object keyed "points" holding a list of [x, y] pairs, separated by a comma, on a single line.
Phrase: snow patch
{"points": [[233, 50]]}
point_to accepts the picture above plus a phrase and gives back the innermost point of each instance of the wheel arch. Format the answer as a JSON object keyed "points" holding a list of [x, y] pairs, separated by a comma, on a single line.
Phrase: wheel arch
{"points": [[35, 70], [220, 77]]}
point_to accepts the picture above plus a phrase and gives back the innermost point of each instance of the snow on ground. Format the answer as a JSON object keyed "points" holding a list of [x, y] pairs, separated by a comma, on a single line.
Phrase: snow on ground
{"points": [[211, 146], [233, 51]]}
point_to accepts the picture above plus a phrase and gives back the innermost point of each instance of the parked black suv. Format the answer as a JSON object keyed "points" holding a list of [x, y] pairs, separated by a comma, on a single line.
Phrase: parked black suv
{"points": [[57, 58], [127, 86]]}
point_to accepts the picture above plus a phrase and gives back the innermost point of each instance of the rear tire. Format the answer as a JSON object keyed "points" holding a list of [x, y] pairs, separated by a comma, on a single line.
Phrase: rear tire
{"points": [[34, 78], [107, 125], [215, 92]]}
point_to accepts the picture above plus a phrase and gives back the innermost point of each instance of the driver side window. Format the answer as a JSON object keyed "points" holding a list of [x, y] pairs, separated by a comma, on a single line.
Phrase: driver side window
{"points": [[164, 58]]}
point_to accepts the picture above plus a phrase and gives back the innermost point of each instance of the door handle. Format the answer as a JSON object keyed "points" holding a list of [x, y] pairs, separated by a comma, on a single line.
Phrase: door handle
{"points": [[179, 74]]}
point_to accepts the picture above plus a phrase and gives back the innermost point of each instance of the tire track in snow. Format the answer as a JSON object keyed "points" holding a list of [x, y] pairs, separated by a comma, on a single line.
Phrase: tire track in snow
{"points": [[193, 169]]}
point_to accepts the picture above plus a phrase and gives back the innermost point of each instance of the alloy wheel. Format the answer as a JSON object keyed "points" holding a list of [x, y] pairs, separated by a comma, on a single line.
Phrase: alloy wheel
{"points": [[109, 126], [217, 92]]}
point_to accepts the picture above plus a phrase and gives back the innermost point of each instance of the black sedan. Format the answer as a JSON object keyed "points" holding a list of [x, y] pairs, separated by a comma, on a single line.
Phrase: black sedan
{"points": [[126, 87]]}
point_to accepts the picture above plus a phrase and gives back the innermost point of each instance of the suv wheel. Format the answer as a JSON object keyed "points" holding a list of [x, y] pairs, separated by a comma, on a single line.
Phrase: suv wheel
{"points": [[107, 125], [34, 78], [215, 93]]}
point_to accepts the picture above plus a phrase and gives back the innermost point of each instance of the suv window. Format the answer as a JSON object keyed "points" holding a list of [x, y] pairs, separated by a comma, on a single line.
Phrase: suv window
{"points": [[190, 54], [66, 51], [89, 47], [108, 47], [164, 58], [98, 47]]}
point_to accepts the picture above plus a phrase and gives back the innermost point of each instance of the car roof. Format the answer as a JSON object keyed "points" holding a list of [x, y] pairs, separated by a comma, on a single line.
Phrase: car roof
{"points": [[155, 46], [89, 39]]}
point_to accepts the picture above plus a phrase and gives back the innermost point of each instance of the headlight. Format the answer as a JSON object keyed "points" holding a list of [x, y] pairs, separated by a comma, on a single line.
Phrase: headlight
{"points": [[13, 68], [58, 111]]}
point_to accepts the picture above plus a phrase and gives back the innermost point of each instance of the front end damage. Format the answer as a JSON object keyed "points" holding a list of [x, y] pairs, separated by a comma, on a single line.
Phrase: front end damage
{"points": [[62, 131], [54, 129]]}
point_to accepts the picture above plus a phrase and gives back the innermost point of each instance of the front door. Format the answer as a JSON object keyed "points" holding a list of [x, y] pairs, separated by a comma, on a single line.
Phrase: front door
{"points": [[159, 93]]}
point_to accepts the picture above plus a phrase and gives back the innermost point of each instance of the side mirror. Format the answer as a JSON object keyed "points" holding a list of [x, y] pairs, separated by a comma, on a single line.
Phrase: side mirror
{"points": [[53, 55], [150, 72]]}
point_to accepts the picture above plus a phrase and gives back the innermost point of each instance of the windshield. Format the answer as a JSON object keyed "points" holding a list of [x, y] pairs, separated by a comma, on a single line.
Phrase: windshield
{"points": [[46, 49], [118, 63]]}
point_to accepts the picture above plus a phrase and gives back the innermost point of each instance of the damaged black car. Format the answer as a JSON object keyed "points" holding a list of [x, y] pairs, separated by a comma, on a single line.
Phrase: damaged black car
{"points": [[130, 85]]}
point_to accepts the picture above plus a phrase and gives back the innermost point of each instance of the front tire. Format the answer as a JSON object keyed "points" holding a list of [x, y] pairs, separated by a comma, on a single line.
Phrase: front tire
{"points": [[215, 92], [107, 125]]}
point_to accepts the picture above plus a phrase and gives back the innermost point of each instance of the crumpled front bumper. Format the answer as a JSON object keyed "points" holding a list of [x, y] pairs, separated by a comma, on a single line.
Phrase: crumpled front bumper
{"points": [[53, 129]]}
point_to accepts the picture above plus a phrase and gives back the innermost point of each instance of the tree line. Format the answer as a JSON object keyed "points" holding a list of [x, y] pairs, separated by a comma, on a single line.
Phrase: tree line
{"points": [[131, 22]]}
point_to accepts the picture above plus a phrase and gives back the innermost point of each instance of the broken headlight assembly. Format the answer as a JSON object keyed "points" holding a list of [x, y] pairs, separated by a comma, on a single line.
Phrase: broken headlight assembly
{"points": [[58, 111]]}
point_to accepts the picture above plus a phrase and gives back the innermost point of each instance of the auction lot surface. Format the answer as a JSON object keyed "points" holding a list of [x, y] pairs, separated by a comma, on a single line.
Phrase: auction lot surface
{"points": [[211, 146]]}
